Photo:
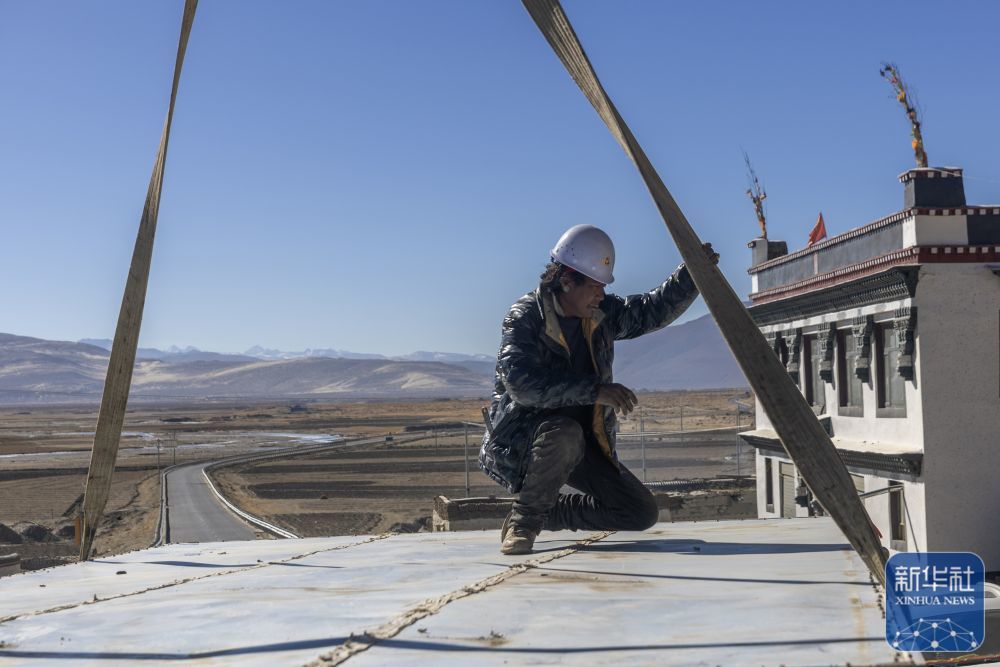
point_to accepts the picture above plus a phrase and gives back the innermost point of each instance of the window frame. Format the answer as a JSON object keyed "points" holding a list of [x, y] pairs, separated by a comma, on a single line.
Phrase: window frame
{"points": [[846, 379], [883, 374], [812, 383], [897, 516], [768, 484]]}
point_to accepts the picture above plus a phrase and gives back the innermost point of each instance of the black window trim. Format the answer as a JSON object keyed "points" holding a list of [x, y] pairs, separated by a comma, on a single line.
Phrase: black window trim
{"points": [[883, 375], [843, 379]]}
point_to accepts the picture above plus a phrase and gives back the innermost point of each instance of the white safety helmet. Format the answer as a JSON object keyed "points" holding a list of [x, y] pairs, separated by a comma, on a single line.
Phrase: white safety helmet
{"points": [[587, 249]]}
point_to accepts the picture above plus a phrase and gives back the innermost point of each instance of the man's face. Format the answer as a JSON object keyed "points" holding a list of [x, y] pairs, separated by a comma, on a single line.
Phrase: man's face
{"points": [[581, 300]]}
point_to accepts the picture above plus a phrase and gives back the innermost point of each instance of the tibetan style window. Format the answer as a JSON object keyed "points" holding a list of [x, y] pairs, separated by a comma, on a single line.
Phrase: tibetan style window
{"points": [[812, 383], [897, 516], [848, 382], [769, 484], [890, 387]]}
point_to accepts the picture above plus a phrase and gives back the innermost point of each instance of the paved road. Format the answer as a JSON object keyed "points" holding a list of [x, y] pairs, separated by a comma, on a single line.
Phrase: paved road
{"points": [[196, 514]]}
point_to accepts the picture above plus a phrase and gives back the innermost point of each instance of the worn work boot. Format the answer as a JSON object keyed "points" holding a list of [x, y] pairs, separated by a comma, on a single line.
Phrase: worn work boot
{"points": [[514, 540]]}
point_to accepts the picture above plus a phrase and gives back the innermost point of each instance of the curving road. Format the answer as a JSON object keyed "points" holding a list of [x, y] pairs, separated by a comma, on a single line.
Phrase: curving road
{"points": [[195, 514]]}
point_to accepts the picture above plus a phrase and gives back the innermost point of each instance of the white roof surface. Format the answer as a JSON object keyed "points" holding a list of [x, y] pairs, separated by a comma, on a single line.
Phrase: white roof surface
{"points": [[759, 592]]}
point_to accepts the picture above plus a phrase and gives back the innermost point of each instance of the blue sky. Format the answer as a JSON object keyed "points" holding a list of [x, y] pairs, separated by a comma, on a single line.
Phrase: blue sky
{"points": [[389, 176]]}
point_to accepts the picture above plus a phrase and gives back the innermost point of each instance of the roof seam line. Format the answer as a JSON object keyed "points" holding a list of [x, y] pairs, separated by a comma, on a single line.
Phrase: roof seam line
{"points": [[357, 643], [178, 582]]}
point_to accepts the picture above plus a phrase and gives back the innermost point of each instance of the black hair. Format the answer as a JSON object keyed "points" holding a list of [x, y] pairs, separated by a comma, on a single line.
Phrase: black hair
{"points": [[554, 271]]}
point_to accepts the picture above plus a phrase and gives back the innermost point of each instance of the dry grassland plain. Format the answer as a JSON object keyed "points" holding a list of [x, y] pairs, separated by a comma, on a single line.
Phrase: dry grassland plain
{"points": [[45, 451]]}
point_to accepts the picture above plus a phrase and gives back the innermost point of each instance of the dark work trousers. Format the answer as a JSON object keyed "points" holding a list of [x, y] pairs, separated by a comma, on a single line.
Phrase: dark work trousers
{"points": [[611, 499]]}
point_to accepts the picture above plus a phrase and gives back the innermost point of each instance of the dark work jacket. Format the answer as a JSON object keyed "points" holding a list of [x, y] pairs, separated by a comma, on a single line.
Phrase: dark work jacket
{"points": [[534, 374]]}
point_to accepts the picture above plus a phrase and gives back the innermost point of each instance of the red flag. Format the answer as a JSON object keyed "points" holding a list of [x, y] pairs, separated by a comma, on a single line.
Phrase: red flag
{"points": [[819, 231]]}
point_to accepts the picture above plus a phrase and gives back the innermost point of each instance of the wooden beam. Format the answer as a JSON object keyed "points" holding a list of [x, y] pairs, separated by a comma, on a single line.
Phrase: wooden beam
{"points": [[803, 437], [119, 378]]}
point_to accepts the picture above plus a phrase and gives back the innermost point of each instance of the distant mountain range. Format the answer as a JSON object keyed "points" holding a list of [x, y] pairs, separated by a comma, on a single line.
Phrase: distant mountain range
{"points": [[687, 356], [174, 353], [36, 370]]}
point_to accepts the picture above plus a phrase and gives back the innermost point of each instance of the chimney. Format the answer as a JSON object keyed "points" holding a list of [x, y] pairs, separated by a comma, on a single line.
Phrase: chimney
{"points": [[933, 187], [763, 250]]}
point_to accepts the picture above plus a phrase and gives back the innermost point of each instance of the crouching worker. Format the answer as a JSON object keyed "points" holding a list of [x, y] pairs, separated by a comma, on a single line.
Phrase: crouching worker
{"points": [[552, 418]]}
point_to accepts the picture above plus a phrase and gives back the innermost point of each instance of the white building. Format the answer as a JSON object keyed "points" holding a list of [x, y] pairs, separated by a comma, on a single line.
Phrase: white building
{"points": [[892, 330]]}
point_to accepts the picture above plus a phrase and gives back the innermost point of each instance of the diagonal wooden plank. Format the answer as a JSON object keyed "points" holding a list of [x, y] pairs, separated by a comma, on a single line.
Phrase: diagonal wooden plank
{"points": [[123, 349], [805, 440]]}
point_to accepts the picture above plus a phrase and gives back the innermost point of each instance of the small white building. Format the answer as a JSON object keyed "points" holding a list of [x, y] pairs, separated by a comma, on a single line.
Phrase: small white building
{"points": [[892, 331]]}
